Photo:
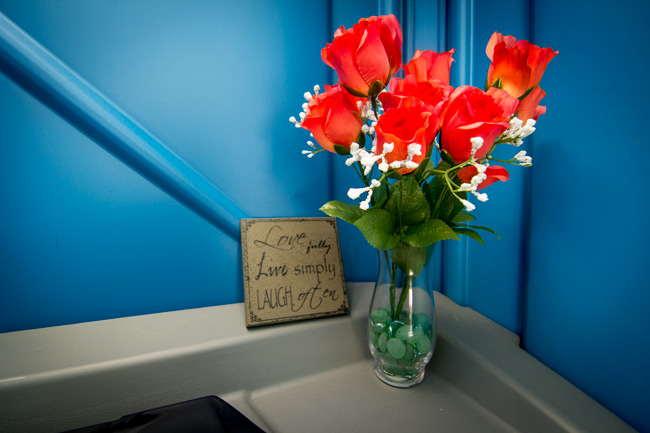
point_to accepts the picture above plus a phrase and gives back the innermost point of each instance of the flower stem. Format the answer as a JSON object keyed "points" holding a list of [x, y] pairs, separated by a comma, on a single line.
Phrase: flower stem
{"points": [[406, 288]]}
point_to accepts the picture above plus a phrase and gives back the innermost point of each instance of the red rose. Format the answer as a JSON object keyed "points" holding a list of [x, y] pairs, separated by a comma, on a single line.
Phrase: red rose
{"points": [[370, 51], [471, 112], [519, 64], [333, 118], [529, 107], [433, 93], [493, 173], [406, 124], [430, 66]]}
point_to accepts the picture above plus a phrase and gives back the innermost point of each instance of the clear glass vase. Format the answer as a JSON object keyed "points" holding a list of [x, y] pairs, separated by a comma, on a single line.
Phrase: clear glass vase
{"points": [[402, 322]]}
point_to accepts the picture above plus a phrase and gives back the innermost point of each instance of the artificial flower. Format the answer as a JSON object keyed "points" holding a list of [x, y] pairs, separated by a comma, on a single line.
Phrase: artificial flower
{"points": [[492, 173], [430, 66], [519, 64], [529, 107], [469, 113], [369, 52], [433, 93], [333, 118], [410, 129]]}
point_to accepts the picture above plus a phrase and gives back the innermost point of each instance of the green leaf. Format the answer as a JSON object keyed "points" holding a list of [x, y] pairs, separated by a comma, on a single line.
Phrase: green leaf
{"points": [[469, 233], [375, 88], [377, 226], [407, 203], [522, 97], [428, 233], [354, 92], [409, 259], [361, 139], [425, 164], [462, 217], [487, 229], [444, 205], [341, 150], [346, 211], [380, 195], [422, 168], [446, 157]]}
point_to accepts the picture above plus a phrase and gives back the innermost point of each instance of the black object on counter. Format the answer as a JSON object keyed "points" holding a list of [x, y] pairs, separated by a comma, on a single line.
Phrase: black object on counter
{"points": [[202, 415]]}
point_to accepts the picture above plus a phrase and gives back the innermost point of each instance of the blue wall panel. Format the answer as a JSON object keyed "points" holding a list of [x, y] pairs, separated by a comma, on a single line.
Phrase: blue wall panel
{"points": [[84, 237], [359, 258], [488, 279], [588, 290]]}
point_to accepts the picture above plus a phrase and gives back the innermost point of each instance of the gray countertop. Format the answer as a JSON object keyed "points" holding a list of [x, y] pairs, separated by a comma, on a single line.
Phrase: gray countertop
{"points": [[311, 376]]}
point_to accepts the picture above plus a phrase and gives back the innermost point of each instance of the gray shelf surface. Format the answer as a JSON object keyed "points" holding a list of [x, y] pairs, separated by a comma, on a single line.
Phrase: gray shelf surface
{"points": [[312, 376]]}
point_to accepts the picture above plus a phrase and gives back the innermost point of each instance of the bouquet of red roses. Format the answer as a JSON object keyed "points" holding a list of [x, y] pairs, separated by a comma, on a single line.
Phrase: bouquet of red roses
{"points": [[389, 127], [412, 197]]}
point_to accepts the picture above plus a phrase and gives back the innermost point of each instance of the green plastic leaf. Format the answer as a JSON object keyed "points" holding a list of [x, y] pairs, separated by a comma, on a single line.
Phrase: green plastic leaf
{"points": [[393, 174], [346, 211], [444, 205], [428, 233], [422, 168], [463, 217], [380, 195], [354, 92], [341, 150], [376, 88], [377, 226], [487, 229], [409, 258], [361, 139], [407, 203], [522, 97], [469, 233], [446, 157]]}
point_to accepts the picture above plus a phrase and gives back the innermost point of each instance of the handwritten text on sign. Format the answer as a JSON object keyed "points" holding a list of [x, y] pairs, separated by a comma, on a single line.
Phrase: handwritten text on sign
{"points": [[292, 269]]}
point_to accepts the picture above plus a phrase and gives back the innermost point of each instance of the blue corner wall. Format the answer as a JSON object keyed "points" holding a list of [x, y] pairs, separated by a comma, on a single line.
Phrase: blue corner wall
{"points": [[122, 180]]}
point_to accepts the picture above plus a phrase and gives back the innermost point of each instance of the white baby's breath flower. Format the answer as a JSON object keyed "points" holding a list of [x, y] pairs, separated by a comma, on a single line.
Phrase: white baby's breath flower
{"points": [[465, 187], [414, 149], [482, 196], [477, 142], [468, 205], [355, 193], [411, 165]]}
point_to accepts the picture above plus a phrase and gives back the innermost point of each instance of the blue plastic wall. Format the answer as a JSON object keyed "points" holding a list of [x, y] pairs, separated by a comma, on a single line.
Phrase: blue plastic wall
{"points": [[90, 232], [588, 289]]}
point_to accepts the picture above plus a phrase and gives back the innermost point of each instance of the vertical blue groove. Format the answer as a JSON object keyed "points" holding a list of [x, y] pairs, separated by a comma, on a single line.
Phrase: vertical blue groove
{"points": [[404, 10], [460, 29], [526, 211], [58, 87]]}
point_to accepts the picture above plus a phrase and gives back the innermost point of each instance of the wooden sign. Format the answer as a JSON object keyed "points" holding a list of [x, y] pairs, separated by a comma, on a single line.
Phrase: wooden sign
{"points": [[292, 270]]}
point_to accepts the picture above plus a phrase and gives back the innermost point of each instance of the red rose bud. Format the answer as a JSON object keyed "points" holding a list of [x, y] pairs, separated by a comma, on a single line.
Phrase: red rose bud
{"points": [[432, 93], [471, 112], [333, 118], [430, 66], [529, 107], [407, 124], [519, 64], [494, 173], [370, 51]]}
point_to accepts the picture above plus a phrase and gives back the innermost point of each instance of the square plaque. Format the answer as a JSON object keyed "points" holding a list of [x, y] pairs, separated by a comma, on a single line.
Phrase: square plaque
{"points": [[292, 270]]}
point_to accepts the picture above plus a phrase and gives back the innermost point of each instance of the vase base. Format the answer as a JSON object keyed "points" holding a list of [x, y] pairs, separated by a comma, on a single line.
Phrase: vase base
{"points": [[399, 380]]}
